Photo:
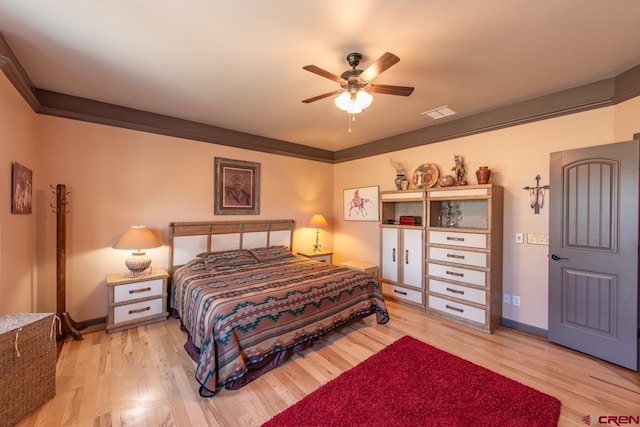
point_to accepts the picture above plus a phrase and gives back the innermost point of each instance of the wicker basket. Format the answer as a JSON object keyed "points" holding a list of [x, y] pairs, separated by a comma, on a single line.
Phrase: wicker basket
{"points": [[27, 364]]}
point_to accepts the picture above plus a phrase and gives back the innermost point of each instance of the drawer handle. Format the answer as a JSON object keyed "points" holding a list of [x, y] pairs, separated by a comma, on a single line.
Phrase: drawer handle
{"points": [[453, 273], [454, 308], [455, 291], [455, 256], [457, 239], [406, 256], [135, 291], [400, 292], [139, 310]]}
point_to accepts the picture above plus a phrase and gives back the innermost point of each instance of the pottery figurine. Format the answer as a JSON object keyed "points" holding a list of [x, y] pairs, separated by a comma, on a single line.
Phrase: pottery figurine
{"points": [[483, 174]]}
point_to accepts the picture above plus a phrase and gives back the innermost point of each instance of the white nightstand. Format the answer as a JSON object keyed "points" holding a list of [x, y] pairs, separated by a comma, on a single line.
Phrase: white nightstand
{"points": [[371, 269], [318, 256], [135, 301]]}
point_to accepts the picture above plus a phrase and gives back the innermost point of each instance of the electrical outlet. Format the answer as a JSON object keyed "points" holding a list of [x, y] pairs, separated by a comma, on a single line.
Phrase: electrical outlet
{"points": [[506, 298], [516, 300], [519, 238]]}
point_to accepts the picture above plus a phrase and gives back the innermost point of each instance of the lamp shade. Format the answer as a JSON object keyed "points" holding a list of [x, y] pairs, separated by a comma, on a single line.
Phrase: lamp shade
{"points": [[138, 237], [318, 221]]}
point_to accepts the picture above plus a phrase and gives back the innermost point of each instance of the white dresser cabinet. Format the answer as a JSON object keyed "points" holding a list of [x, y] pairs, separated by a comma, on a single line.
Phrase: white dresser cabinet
{"points": [[464, 255]]}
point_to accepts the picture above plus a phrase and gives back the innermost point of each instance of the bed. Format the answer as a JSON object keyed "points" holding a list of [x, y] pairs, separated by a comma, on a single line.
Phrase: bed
{"points": [[247, 303]]}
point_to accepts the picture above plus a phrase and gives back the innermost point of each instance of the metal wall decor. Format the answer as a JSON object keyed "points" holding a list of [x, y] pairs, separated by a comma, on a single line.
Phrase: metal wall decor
{"points": [[536, 195]]}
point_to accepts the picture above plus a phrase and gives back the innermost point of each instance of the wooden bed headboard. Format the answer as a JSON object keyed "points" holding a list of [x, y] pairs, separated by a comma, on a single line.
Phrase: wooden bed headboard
{"points": [[187, 239]]}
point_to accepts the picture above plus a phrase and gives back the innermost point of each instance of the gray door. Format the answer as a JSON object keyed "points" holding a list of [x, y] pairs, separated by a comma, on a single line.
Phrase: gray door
{"points": [[593, 251]]}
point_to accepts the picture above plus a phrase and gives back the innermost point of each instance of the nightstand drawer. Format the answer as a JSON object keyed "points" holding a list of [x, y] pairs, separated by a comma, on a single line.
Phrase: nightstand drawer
{"points": [[318, 256], [137, 290], [138, 310], [323, 258]]}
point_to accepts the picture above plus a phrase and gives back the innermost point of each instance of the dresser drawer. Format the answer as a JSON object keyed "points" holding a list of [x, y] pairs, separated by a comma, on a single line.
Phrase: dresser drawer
{"points": [[476, 259], [452, 238], [456, 291], [137, 290], [398, 292], [456, 309], [137, 310], [465, 275]]}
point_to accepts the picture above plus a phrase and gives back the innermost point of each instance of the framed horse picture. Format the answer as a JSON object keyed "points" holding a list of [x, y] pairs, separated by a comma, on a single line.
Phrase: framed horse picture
{"points": [[361, 204]]}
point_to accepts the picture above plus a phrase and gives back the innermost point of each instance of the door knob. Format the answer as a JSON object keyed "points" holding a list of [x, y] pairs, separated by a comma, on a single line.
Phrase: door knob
{"points": [[556, 257]]}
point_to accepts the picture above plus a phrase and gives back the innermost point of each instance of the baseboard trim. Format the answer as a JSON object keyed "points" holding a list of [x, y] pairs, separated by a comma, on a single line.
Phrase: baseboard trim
{"points": [[95, 321], [524, 327]]}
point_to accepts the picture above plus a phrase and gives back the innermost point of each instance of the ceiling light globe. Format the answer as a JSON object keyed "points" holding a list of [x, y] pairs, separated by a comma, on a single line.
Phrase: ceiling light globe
{"points": [[342, 101], [364, 98], [354, 108]]}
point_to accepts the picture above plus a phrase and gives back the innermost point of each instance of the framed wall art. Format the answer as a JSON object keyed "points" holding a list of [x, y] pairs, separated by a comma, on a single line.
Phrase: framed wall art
{"points": [[21, 186], [361, 204], [236, 187]]}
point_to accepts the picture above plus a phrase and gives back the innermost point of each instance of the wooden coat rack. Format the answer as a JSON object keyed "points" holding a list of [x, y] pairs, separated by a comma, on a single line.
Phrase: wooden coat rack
{"points": [[69, 326]]}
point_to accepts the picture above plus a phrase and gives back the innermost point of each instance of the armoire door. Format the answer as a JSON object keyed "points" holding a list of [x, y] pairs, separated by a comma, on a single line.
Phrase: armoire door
{"points": [[593, 251], [389, 253], [412, 257]]}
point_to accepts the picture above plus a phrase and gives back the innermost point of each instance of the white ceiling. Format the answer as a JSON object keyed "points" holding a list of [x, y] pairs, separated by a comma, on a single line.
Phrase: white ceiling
{"points": [[238, 64]]}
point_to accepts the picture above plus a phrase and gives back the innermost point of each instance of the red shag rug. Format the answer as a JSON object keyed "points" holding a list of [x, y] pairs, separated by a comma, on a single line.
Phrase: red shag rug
{"points": [[410, 383]]}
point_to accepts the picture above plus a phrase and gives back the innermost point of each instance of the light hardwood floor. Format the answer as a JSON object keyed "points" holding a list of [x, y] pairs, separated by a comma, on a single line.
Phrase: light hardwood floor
{"points": [[143, 377]]}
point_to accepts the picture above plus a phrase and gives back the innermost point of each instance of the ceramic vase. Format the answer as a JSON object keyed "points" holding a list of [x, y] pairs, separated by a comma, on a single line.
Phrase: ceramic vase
{"points": [[483, 174], [399, 179]]}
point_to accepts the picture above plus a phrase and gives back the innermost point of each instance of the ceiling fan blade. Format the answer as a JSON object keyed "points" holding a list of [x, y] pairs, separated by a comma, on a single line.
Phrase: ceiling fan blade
{"points": [[319, 97], [323, 73], [391, 90], [386, 61]]}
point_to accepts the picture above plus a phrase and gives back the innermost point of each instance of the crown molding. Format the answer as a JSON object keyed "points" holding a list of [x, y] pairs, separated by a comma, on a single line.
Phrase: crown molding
{"points": [[594, 95], [76, 108], [17, 75]]}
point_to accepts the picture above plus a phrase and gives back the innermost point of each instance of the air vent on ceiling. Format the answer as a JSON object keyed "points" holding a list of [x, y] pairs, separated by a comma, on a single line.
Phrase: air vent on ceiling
{"points": [[439, 113]]}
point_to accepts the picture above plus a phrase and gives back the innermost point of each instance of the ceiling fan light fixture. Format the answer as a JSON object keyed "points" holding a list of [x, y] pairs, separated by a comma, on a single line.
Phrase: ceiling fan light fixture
{"points": [[364, 98], [353, 102], [343, 100], [354, 108]]}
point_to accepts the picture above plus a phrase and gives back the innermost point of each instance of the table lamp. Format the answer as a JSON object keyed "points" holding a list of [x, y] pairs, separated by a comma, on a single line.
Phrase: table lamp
{"points": [[137, 238], [318, 222]]}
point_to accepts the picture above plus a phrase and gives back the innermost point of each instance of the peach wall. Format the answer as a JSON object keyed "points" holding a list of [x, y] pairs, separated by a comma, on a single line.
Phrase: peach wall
{"points": [[515, 155], [626, 119], [18, 273], [118, 177]]}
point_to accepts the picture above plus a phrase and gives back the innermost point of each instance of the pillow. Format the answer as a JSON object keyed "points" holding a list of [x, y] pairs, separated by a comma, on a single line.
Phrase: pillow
{"points": [[272, 253], [233, 258]]}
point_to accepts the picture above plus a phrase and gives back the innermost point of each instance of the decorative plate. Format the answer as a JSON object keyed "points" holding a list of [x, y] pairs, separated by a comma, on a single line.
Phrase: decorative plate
{"points": [[430, 175]]}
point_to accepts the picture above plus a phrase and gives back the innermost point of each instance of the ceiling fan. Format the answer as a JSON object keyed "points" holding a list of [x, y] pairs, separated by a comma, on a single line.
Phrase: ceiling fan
{"points": [[355, 84]]}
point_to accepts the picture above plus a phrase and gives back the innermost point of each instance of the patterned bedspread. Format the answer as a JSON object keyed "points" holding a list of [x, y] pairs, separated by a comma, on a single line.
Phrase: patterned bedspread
{"points": [[240, 316]]}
